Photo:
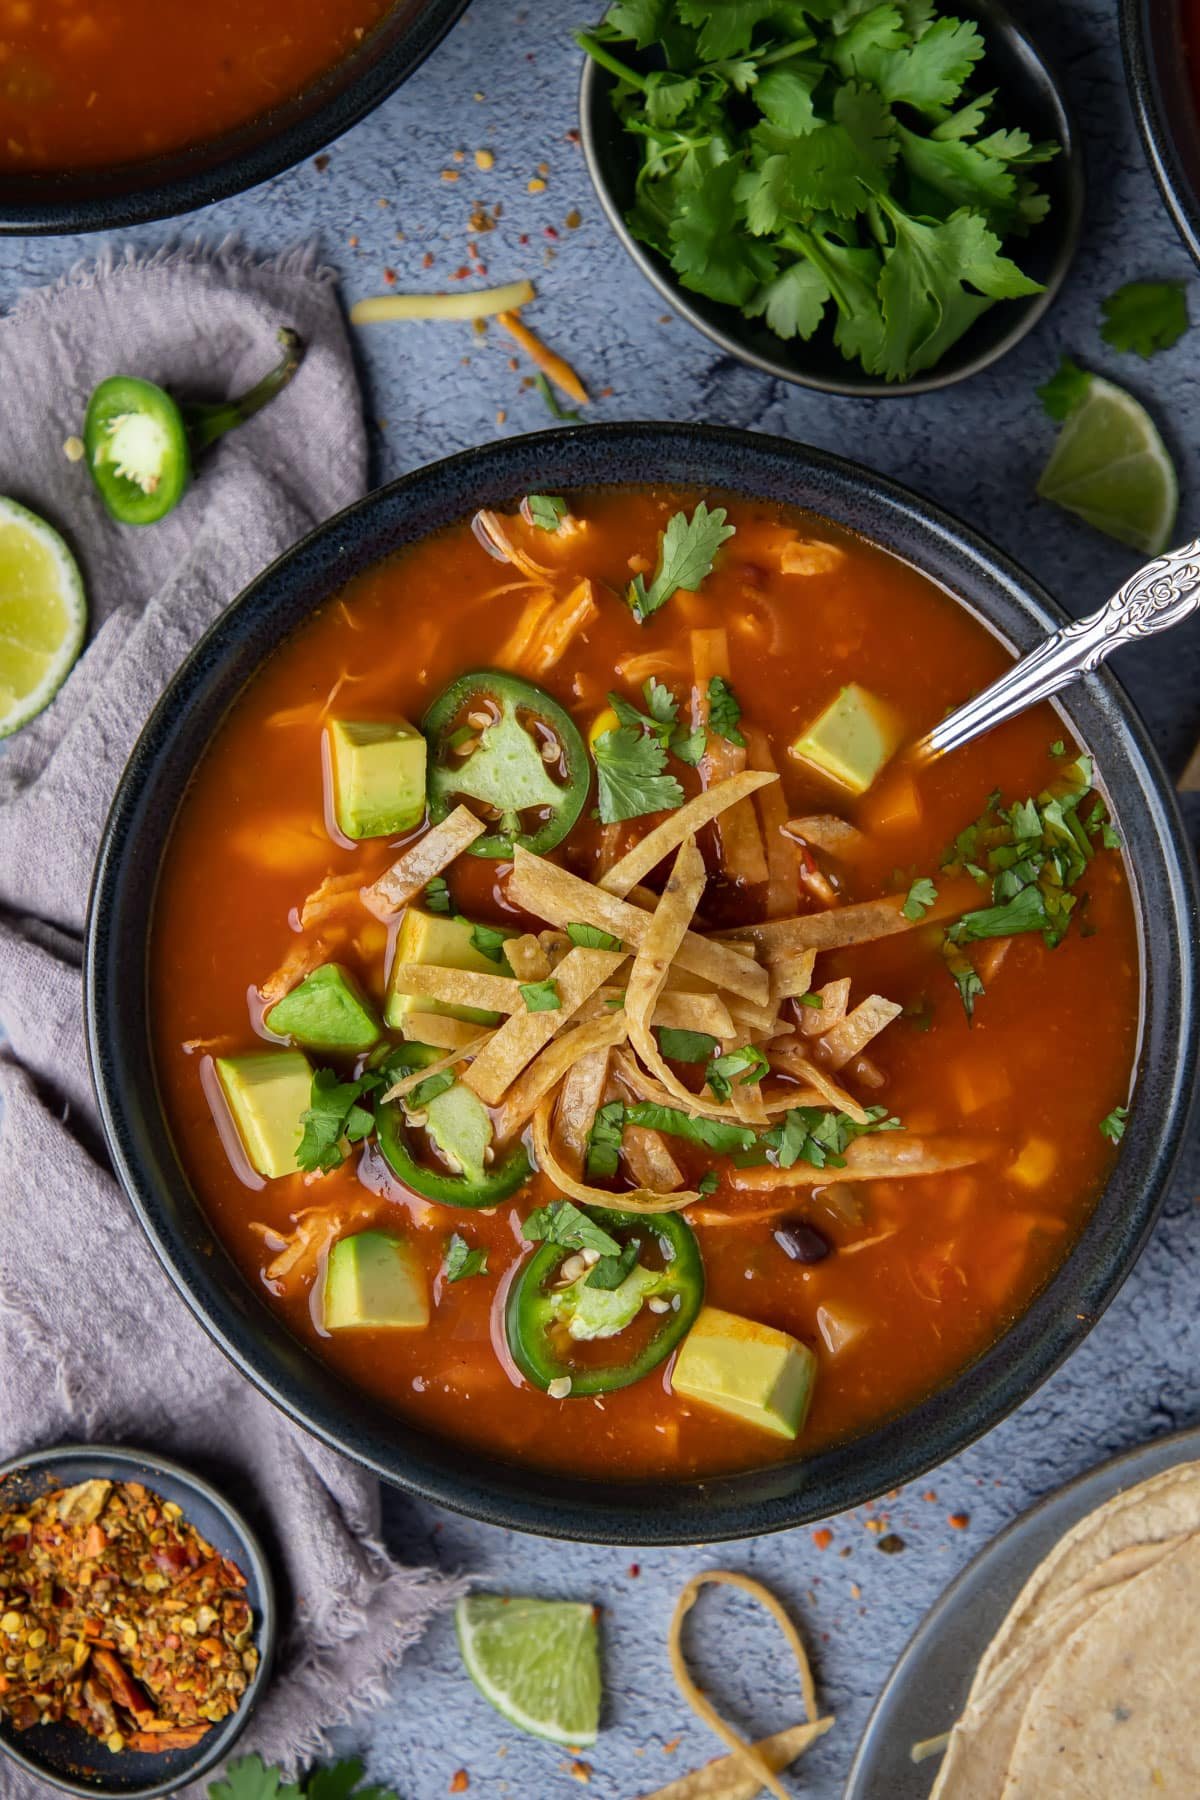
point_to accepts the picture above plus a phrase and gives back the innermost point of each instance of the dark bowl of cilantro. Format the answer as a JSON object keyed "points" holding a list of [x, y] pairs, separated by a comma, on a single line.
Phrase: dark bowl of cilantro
{"points": [[877, 204]]}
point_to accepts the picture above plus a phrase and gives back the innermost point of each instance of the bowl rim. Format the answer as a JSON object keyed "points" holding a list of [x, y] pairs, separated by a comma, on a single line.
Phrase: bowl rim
{"points": [[437, 1469], [594, 84], [1144, 76], [147, 1464], [182, 180]]}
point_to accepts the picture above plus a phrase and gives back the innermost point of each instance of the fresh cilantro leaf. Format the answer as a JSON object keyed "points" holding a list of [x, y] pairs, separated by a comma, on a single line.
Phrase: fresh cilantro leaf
{"points": [[966, 978], [668, 95], [462, 1261], [1058, 748], [554, 405], [725, 28], [342, 1782], [686, 1046], [630, 776], [546, 510], [249, 1778], [541, 996], [709, 1182], [486, 939], [1065, 390], [661, 703], [590, 937], [604, 1141], [333, 1115], [611, 1271], [785, 97], [714, 1134], [641, 20], [724, 711], [928, 73], [562, 1222], [1026, 911], [794, 303], [710, 251], [921, 896], [1113, 1126], [1145, 316], [686, 552], [437, 895], [689, 746], [428, 1090], [747, 1066], [819, 1136]]}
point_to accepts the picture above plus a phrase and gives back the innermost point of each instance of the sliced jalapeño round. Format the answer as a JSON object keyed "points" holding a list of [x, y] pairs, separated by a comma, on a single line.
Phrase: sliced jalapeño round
{"points": [[456, 1127], [511, 749], [550, 1321]]}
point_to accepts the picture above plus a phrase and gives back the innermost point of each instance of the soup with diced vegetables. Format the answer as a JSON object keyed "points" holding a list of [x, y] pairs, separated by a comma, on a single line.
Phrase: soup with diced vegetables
{"points": [[592, 1030], [87, 83]]}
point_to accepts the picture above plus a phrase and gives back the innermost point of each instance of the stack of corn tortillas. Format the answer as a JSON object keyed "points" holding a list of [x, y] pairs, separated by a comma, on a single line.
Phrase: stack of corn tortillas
{"points": [[1086, 1688]]}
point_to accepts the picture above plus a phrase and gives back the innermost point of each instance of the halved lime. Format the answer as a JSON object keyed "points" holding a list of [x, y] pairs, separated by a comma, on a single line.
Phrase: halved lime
{"points": [[537, 1661], [43, 614], [1112, 468]]}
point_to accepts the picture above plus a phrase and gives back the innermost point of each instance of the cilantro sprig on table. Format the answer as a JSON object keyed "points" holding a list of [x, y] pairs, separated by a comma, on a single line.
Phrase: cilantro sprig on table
{"points": [[816, 166], [1145, 316], [249, 1778]]}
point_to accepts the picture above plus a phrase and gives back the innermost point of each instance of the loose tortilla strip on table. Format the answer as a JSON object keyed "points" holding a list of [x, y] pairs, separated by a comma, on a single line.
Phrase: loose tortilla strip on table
{"points": [[726, 1778], [524, 1033], [548, 892], [458, 987], [851, 1035], [548, 1069], [649, 1160], [421, 862], [684, 822], [642, 1200], [526, 957], [408, 1082], [548, 361], [825, 831], [791, 976], [859, 924], [815, 1021], [437, 1030], [890, 1156], [742, 855], [580, 1099]]}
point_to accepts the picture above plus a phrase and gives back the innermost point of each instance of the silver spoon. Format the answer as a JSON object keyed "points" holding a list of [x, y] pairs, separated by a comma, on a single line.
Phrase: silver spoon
{"points": [[1161, 594]]}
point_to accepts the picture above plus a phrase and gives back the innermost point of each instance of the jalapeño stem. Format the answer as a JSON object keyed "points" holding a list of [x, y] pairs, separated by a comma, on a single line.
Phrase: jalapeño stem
{"points": [[206, 423]]}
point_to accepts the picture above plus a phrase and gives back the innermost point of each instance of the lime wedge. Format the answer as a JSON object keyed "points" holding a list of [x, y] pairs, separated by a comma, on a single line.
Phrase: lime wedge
{"points": [[1112, 468], [537, 1661], [43, 614]]}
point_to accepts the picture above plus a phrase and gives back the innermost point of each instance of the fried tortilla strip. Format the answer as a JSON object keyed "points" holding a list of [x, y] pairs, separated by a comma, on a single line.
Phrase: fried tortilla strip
{"points": [[888, 1156], [407, 1083], [649, 1160], [684, 822], [437, 1030], [861, 924], [522, 1035], [726, 1777], [684, 1011], [580, 1099], [782, 855], [421, 862], [815, 1021], [458, 987], [742, 855], [547, 1070], [851, 1035], [646, 1087], [641, 1200], [792, 1058], [825, 831], [526, 957], [548, 892], [791, 975]]}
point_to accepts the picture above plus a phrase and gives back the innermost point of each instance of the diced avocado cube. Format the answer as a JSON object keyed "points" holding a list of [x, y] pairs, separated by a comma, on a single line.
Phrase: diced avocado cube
{"points": [[378, 772], [375, 1279], [443, 942], [749, 1370], [267, 1091], [459, 1124], [327, 1011], [851, 740]]}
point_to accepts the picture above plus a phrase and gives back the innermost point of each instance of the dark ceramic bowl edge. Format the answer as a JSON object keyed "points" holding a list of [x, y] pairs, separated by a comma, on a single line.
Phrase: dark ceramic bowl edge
{"points": [[1159, 138], [267, 1628], [1006, 1374], [594, 87]]}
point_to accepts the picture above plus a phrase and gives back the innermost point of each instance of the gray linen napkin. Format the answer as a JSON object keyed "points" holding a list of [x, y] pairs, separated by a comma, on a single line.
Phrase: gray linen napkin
{"points": [[93, 1342]]}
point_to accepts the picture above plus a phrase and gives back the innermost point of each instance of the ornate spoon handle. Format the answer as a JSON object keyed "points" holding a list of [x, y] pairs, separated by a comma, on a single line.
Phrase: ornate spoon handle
{"points": [[1159, 595]]}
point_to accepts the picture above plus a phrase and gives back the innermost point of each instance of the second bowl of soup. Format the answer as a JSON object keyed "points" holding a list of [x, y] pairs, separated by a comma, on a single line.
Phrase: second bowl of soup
{"points": [[582, 1066]]}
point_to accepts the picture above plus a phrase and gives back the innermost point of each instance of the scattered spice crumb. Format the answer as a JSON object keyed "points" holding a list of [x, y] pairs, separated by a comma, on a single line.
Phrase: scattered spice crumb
{"points": [[320, 164], [480, 327], [606, 393], [73, 447], [855, 1591], [959, 1521], [874, 1525], [572, 136], [536, 185], [477, 95], [524, 238], [580, 1771], [573, 220], [458, 156], [485, 159], [822, 1537], [671, 1745], [549, 231], [514, 364], [460, 1781], [543, 168], [389, 275], [891, 1544], [427, 260], [929, 1494], [353, 241], [635, 1569], [846, 1550], [501, 416], [450, 174]]}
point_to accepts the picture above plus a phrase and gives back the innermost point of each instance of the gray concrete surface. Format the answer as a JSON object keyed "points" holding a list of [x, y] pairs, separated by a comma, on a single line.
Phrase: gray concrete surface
{"points": [[506, 80]]}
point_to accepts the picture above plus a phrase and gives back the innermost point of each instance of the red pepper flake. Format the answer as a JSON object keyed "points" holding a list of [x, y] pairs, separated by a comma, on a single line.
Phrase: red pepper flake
{"points": [[959, 1521], [524, 238], [671, 1745], [460, 1781], [461, 274], [606, 393], [320, 164], [481, 268], [353, 241], [549, 231], [427, 260], [389, 275], [572, 136], [635, 1569], [929, 1494], [822, 1537]]}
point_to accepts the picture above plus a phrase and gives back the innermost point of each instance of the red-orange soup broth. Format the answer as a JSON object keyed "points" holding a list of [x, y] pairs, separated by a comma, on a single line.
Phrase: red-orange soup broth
{"points": [[86, 83], [921, 1274]]}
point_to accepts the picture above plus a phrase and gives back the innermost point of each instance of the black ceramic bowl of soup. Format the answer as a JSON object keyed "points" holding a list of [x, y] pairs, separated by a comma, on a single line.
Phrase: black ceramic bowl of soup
{"points": [[974, 1292], [119, 114], [1161, 44]]}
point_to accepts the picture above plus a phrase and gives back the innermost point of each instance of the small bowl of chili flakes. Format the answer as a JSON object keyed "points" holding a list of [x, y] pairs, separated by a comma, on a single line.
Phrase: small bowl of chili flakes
{"points": [[137, 1621]]}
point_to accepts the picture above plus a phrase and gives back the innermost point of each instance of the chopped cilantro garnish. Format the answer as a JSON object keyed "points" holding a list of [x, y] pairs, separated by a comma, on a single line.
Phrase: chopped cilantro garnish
{"points": [[562, 1222], [686, 1046], [814, 1135], [604, 1141], [462, 1261], [815, 1001], [334, 1118], [966, 977], [709, 1182], [486, 939], [1058, 748], [630, 776], [724, 711], [661, 721], [746, 1066], [921, 896], [541, 996], [428, 1090], [437, 895], [1113, 1126], [611, 1271], [1026, 911], [546, 510], [590, 937], [1145, 316], [686, 552], [714, 1134]]}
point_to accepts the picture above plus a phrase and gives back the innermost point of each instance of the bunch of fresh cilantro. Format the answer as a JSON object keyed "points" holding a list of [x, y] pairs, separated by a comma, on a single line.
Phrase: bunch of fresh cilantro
{"points": [[251, 1779], [824, 163]]}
